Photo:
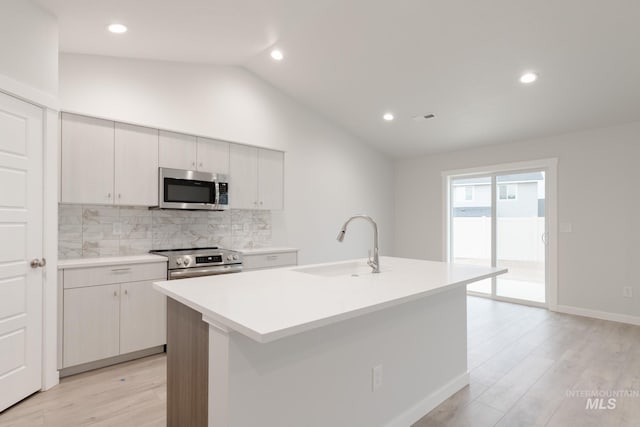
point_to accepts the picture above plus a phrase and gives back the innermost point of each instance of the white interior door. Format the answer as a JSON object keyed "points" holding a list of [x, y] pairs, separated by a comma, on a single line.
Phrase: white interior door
{"points": [[21, 222]]}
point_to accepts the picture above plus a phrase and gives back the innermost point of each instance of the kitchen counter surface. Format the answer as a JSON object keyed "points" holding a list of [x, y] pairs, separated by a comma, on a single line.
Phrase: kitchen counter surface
{"points": [[259, 251], [267, 305], [105, 261]]}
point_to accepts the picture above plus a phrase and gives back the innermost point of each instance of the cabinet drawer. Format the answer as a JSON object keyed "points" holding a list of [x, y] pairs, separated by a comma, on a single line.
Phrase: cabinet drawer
{"points": [[92, 276], [281, 259]]}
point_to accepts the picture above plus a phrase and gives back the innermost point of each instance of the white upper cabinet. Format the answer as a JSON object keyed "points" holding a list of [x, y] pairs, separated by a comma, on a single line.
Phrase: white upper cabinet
{"points": [[213, 156], [177, 151], [256, 178], [243, 177], [270, 179], [107, 163], [87, 160], [136, 165]]}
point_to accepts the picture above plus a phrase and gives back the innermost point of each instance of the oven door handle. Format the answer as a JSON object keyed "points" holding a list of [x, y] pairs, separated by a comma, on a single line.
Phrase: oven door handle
{"points": [[204, 271]]}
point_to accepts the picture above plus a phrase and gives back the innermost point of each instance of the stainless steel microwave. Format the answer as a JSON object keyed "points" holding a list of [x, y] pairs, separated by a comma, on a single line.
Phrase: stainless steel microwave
{"points": [[192, 190]]}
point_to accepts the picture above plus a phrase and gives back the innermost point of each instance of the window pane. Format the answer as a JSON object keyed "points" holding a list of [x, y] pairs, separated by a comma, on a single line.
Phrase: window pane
{"points": [[468, 192], [471, 226], [502, 192]]}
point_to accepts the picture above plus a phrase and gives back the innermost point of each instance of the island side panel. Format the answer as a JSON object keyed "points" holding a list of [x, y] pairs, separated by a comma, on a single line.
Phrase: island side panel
{"points": [[187, 366], [323, 377]]}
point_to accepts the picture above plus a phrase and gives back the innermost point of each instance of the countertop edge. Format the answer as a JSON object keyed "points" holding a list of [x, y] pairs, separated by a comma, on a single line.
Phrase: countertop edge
{"points": [[267, 337], [107, 261], [260, 251]]}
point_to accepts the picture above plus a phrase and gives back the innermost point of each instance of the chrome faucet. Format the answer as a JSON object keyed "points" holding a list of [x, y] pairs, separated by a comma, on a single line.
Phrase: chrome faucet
{"points": [[375, 263]]}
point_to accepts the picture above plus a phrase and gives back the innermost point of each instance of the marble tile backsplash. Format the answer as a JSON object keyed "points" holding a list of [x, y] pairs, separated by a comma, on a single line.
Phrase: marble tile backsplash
{"points": [[91, 230]]}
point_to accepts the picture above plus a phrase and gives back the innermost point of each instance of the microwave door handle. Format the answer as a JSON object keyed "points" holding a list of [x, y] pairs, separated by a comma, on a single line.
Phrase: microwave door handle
{"points": [[217, 186]]}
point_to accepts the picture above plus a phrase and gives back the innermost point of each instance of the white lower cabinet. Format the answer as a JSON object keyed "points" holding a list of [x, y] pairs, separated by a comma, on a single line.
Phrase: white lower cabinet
{"points": [[263, 259], [102, 320], [143, 317], [91, 324]]}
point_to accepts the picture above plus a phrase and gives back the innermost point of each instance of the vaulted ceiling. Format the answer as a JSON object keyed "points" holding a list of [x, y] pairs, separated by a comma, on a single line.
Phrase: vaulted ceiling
{"points": [[354, 60]]}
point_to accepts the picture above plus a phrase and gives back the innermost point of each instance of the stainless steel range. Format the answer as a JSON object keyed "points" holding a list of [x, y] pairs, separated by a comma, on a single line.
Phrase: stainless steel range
{"points": [[196, 262]]}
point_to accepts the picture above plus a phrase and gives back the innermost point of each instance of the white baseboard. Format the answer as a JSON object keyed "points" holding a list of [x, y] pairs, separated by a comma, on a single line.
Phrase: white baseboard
{"points": [[430, 402], [603, 315]]}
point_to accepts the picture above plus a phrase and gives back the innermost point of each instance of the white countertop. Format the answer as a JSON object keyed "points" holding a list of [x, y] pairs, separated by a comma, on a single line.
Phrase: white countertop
{"points": [[266, 305], [112, 260], [260, 251]]}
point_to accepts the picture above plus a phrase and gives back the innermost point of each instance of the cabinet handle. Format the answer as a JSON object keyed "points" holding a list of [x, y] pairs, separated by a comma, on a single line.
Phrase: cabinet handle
{"points": [[261, 203], [116, 270], [108, 195], [115, 293], [200, 164], [255, 203], [193, 163], [119, 195], [272, 257], [125, 292]]}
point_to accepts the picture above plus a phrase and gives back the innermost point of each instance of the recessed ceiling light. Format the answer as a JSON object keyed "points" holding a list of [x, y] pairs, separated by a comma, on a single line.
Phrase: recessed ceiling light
{"points": [[277, 55], [117, 28], [528, 78], [388, 117]]}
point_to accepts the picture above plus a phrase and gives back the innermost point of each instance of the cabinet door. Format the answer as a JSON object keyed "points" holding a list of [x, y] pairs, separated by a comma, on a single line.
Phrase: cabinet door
{"points": [[91, 324], [269, 260], [177, 151], [136, 165], [143, 317], [243, 177], [270, 179], [213, 156], [87, 160]]}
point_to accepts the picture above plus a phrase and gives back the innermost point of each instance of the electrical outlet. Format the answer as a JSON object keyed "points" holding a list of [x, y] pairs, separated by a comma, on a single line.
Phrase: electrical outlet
{"points": [[117, 228], [376, 377], [627, 291]]}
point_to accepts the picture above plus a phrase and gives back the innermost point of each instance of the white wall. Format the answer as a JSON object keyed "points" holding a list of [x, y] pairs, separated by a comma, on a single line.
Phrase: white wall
{"points": [[29, 70], [598, 193], [29, 46], [329, 174]]}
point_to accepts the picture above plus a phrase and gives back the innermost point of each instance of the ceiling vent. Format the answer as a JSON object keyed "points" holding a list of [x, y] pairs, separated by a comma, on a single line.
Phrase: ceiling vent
{"points": [[423, 117]]}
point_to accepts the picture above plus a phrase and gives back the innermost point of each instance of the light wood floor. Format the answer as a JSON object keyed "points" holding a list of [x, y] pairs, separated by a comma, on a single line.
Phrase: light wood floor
{"points": [[131, 394], [523, 360]]}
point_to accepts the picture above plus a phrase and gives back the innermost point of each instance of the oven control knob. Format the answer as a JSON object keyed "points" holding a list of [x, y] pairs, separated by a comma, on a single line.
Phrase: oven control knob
{"points": [[186, 262], [235, 257], [229, 257], [179, 261]]}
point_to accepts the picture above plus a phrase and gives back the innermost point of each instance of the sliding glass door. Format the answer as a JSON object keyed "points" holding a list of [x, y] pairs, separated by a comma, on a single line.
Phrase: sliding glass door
{"points": [[499, 220]]}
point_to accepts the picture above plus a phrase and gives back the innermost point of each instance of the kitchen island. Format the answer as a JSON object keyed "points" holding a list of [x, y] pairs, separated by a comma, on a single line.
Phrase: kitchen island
{"points": [[322, 345]]}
